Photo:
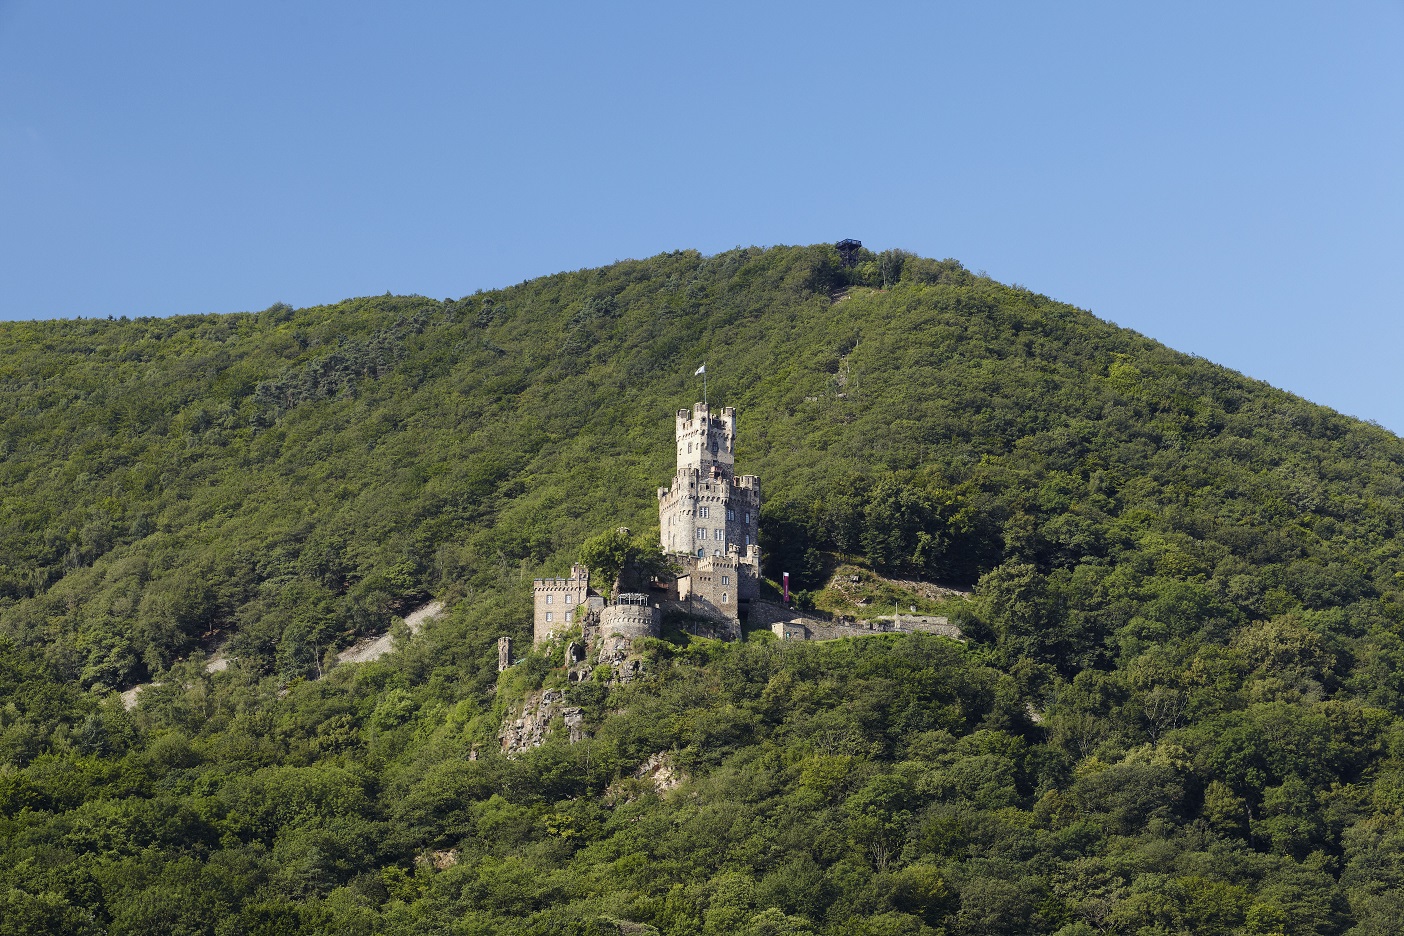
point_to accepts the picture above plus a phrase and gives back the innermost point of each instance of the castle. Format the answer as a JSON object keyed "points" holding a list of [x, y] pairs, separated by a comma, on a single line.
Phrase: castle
{"points": [[709, 523]]}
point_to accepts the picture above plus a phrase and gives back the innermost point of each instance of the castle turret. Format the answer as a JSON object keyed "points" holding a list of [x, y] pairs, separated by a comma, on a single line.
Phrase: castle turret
{"points": [[706, 441]]}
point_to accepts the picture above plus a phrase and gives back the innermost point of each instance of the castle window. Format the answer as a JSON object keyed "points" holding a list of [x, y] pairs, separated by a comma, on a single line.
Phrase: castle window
{"points": [[689, 446], [548, 617], [717, 535], [701, 553], [701, 533], [726, 580], [550, 598], [748, 539], [748, 516], [567, 617], [702, 511], [723, 597], [730, 514]]}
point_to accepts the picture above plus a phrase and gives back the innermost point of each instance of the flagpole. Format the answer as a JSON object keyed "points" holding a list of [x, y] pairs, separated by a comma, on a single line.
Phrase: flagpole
{"points": [[704, 387]]}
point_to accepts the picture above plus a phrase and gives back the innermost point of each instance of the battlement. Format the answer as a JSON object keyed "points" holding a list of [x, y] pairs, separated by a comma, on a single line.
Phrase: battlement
{"points": [[690, 483], [706, 442], [630, 616], [720, 586]]}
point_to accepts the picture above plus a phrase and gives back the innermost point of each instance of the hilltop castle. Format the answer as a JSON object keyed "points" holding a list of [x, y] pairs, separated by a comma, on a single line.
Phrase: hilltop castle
{"points": [[709, 523]]}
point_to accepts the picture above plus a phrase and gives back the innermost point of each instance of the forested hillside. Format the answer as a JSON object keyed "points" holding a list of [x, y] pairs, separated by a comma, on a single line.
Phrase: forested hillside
{"points": [[1180, 707]]}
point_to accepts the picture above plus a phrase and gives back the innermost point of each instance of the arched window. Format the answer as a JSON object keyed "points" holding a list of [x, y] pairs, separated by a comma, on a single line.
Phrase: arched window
{"points": [[701, 553], [723, 597]]}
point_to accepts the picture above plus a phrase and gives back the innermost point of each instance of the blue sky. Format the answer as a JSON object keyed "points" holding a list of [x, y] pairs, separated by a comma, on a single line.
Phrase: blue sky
{"points": [[1226, 178]]}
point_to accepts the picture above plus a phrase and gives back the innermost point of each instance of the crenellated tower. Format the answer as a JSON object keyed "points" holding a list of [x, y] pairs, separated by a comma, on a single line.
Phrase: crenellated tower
{"points": [[557, 601], [709, 520]]}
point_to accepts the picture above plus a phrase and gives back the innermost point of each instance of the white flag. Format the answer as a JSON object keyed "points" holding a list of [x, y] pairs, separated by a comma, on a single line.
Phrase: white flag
{"points": [[700, 370]]}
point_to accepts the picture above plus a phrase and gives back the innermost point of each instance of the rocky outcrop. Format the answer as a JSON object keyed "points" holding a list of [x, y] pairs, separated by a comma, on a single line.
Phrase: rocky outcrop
{"points": [[618, 652], [660, 771], [532, 725]]}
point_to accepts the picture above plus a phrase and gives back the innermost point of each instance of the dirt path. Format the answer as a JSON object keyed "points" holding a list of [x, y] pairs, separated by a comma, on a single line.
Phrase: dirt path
{"points": [[373, 648]]}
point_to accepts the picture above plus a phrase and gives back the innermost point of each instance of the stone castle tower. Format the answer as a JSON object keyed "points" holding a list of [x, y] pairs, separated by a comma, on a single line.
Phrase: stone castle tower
{"points": [[709, 520], [557, 602]]}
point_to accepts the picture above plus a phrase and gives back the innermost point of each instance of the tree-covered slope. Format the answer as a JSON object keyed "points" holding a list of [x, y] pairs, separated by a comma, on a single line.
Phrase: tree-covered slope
{"points": [[1180, 707]]}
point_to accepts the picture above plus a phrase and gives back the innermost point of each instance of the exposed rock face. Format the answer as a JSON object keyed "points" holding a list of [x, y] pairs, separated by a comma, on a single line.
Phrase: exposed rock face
{"points": [[438, 860], [531, 728], [129, 697], [660, 770], [615, 651]]}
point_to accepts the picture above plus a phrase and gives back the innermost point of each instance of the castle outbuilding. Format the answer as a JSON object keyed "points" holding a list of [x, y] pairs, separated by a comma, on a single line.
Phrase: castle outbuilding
{"points": [[558, 601]]}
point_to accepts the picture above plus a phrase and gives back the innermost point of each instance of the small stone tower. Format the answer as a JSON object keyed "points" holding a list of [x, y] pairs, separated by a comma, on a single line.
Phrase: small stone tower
{"points": [[556, 602]]}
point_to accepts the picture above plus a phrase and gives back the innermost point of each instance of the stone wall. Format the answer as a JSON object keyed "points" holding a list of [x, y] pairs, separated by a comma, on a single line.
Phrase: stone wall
{"points": [[788, 624], [789, 630], [712, 628], [715, 586], [905, 624], [708, 511]]}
